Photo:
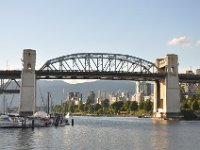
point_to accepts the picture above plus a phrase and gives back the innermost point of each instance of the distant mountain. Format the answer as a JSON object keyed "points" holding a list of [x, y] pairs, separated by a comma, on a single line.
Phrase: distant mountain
{"points": [[60, 89]]}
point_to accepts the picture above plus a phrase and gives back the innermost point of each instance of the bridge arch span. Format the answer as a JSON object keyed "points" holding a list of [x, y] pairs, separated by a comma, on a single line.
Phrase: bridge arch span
{"points": [[99, 62]]}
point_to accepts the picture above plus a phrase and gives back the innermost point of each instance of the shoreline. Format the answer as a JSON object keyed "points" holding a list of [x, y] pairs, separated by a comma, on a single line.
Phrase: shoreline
{"points": [[138, 116]]}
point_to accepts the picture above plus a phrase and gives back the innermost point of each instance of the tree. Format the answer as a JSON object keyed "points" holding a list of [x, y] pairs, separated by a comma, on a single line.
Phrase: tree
{"points": [[195, 105], [71, 106], [100, 111], [148, 105], [116, 106], [66, 106], [126, 105], [57, 109], [97, 107], [80, 106], [88, 101], [189, 102], [133, 106], [141, 105], [182, 94], [184, 106], [105, 103]]}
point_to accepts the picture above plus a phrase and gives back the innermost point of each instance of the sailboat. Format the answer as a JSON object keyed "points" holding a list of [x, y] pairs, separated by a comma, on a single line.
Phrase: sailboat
{"points": [[7, 121]]}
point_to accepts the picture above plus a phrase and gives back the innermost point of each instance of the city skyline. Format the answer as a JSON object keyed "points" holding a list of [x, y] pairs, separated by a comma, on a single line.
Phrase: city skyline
{"points": [[148, 30]]}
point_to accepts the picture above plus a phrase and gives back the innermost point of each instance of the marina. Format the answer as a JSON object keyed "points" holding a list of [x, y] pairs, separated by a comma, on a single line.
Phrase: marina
{"points": [[39, 119]]}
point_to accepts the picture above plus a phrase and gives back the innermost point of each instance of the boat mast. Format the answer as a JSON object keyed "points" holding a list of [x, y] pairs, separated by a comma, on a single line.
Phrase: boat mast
{"points": [[48, 98]]}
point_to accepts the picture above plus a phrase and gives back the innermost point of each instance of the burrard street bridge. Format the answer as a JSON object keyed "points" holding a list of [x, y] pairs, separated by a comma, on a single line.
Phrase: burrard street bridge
{"points": [[104, 66]]}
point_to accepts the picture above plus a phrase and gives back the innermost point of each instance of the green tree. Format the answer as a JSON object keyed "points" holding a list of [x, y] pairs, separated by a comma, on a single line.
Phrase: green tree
{"points": [[198, 90], [182, 94], [71, 106], [141, 105], [105, 103], [195, 105], [97, 107], [57, 109], [148, 105], [80, 106], [66, 105], [100, 111], [189, 102], [133, 106], [126, 105], [116, 106], [184, 106], [91, 109], [88, 101]]}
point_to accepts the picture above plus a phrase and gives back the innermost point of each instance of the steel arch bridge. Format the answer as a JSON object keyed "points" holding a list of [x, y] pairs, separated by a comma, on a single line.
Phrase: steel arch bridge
{"points": [[99, 62]]}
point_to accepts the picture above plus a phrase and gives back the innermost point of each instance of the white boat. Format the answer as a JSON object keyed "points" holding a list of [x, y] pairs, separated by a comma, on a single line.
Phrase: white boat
{"points": [[39, 119], [36, 122], [10, 122], [66, 119]]}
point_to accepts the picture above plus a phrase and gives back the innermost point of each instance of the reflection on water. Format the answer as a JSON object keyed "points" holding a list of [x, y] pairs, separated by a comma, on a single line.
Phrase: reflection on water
{"points": [[24, 137], [107, 133], [160, 134]]}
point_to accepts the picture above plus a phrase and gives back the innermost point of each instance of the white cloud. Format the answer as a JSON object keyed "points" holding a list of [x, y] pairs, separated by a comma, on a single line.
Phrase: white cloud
{"points": [[182, 41], [198, 43]]}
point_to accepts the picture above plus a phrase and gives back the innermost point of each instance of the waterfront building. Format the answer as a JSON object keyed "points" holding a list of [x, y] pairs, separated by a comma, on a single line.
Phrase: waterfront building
{"points": [[112, 99], [119, 96], [143, 89], [75, 96], [91, 97], [101, 95]]}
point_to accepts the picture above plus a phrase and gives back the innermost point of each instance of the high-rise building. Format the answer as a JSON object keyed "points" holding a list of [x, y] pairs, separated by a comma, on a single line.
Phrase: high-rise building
{"points": [[142, 89], [91, 96], [74, 96]]}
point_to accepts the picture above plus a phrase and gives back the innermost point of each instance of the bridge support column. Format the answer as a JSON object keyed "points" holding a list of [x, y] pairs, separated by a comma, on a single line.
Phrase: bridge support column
{"points": [[28, 84], [156, 99], [167, 99]]}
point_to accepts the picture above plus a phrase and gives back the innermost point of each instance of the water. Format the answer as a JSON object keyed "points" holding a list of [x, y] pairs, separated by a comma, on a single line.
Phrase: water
{"points": [[107, 133]]}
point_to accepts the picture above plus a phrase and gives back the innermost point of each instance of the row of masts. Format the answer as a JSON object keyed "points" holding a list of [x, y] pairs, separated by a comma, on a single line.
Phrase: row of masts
{"points": [[7, 108]]}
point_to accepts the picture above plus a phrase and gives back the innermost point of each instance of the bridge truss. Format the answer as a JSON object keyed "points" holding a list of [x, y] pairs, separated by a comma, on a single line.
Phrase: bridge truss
{"points": [[99, 66], [99, 62]]}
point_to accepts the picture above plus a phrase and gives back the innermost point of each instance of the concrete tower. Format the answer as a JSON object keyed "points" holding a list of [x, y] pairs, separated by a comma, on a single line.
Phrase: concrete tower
{"points": [[28, 83], [167, 92]]}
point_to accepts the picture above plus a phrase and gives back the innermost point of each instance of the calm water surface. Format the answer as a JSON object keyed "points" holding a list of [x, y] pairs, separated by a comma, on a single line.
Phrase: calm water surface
{"points": [[107, 133]]}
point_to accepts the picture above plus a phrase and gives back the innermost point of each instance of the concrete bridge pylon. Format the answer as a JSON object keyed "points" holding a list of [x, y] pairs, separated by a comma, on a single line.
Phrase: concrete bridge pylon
{"points": [[28, 83], [167, 91]]}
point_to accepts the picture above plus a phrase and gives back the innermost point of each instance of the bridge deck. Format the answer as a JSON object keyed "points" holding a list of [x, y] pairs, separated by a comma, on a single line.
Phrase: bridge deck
{"points": [[45, 74]]}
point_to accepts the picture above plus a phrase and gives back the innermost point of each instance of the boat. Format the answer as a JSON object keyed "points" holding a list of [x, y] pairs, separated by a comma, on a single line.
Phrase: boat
{"points": [[7, 121], [39, 119], [66, 119], [60, 120], [31, 122]]}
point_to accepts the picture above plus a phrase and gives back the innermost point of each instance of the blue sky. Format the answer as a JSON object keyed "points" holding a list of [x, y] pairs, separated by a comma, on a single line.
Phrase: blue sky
{"points": [[148, 29]]}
